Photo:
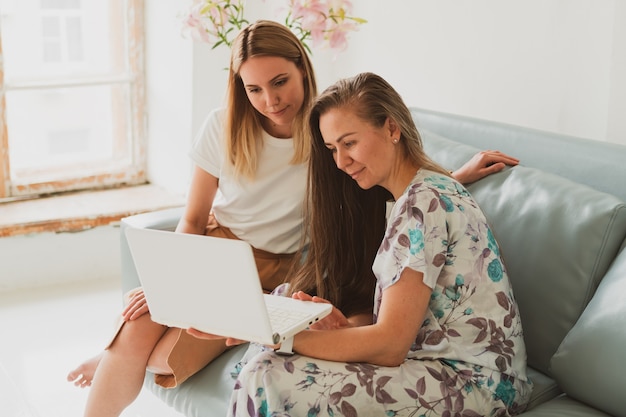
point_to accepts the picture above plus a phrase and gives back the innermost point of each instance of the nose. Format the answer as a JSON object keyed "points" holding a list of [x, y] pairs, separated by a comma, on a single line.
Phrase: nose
{"points": [[342, 159], [271, 99]]}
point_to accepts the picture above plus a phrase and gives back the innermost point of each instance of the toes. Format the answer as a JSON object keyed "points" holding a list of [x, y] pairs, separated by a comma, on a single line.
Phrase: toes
{"points": [[76, 373], [82, 382]]}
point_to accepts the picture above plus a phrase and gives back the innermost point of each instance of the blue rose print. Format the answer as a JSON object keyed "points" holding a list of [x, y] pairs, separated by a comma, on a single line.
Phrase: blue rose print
{"points": [[505, 392], [446, 203], [417, 241], [491, 243], [459, 280], [495, 271], [437, 182]]}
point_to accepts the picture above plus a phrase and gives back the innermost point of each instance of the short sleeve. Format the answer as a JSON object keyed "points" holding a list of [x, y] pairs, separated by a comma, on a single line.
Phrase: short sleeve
{"points": [[207, 150], [416, 238]]}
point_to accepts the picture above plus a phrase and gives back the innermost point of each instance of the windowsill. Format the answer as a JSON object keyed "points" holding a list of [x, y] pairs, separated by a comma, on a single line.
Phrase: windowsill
{"points": [[79, 211]]}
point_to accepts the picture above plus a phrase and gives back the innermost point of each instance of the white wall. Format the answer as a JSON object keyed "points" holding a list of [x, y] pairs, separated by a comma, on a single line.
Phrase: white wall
{"points": [[616, 121], [556, 65], [547, 64], [45, 259]]}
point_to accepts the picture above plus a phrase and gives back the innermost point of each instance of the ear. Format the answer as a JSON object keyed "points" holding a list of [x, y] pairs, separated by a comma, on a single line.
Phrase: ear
{"points": [[393, 129]]}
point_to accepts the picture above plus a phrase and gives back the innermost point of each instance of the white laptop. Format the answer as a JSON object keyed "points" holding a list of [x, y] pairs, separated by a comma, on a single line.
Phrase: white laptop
{"points": [[212, 284]]}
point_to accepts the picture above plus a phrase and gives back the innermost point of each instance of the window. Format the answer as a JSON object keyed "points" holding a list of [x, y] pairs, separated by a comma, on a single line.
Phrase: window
{"points": [[71, 95]]}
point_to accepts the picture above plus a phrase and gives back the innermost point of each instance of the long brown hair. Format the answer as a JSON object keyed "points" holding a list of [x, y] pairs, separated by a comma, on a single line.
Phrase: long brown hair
{"points": [[346, 224], [243, 122]]}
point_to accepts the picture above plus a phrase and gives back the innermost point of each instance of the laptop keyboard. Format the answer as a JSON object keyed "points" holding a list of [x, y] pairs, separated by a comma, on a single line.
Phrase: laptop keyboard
{"points": [[282, 318]]}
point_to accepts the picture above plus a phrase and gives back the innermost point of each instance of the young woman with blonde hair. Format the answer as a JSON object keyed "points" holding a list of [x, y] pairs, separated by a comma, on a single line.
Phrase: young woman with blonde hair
{"points": [[248, 183]]}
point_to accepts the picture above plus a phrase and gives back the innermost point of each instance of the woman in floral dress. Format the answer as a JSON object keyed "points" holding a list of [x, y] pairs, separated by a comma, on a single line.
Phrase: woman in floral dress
{"points": [[445, 337]]}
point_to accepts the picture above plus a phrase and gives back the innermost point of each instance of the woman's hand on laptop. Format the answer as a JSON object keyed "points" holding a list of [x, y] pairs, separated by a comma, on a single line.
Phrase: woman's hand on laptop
{"points": [[137, 306], [335, 320]]}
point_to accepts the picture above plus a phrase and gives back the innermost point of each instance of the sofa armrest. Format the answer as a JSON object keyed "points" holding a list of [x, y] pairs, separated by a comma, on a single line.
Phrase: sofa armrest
{"points": [[161, 220]]}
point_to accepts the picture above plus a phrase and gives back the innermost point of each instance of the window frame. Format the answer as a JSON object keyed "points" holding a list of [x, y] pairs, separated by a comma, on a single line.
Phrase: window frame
{"points": [[132, 174]]}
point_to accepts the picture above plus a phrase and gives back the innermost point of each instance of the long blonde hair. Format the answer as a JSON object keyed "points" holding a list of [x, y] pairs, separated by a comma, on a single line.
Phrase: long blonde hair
{"points": [[243, 123]]}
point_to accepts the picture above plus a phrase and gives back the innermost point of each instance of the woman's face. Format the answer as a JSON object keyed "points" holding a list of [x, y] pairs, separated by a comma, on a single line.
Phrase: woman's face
{"points": [[365, 152], [275, 89]]}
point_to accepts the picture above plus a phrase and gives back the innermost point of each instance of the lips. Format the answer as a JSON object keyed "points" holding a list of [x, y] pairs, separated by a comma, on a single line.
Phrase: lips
{"points": [[278, 113], [354, 175]]}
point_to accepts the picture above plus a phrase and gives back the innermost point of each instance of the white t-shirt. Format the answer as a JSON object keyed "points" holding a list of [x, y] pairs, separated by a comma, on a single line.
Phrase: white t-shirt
{"points": [[267, 211]]}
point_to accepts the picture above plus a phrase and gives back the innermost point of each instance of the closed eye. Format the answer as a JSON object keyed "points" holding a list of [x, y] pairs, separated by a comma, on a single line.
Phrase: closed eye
{"points": [[280, 82]]}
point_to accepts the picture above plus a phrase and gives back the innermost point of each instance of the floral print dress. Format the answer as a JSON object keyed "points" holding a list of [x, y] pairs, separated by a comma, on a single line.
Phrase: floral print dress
{"points": [[469, 357]]}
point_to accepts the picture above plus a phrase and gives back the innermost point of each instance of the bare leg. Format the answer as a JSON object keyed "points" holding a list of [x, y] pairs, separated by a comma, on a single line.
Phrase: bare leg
{"points": [[120, 373], [141, 344], [83, 374]]}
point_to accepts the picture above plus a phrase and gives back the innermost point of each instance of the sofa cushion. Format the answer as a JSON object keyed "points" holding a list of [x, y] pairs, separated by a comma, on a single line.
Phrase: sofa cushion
{"points": [[544, 388], [558, 238], [564, 406], [205, 394], [590, 364]]}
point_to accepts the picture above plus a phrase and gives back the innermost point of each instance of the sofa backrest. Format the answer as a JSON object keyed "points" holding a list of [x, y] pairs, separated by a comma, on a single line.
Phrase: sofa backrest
{"points": [[584, 161], [557, 237], [161, 220]]}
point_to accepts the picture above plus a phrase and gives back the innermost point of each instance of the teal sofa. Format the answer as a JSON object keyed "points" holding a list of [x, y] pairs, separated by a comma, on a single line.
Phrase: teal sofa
{"points": [[560, 217]]}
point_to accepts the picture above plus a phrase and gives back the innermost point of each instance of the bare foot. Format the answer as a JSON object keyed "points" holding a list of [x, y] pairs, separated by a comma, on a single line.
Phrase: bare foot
{"points": [[83, 375]]}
